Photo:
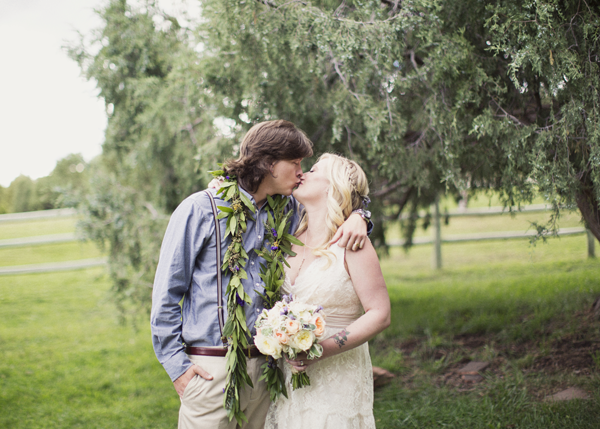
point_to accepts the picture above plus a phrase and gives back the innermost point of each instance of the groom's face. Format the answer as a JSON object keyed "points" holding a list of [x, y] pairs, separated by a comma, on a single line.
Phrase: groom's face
{"points": [[286, 175]]}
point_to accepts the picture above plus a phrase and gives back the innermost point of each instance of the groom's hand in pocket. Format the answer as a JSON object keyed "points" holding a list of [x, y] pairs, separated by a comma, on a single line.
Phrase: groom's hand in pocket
{"points": [[181, 383]]}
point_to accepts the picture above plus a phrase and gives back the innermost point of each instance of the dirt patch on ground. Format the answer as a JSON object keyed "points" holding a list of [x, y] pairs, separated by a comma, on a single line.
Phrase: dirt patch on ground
{"points": [[575, 353]]}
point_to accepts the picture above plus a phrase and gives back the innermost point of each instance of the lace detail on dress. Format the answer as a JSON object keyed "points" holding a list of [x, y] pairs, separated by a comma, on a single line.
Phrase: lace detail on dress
{"points": [[341, 390]]}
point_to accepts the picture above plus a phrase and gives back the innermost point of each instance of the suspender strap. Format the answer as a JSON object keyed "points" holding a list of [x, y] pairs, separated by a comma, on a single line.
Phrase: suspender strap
{"points": [[219, 274]]}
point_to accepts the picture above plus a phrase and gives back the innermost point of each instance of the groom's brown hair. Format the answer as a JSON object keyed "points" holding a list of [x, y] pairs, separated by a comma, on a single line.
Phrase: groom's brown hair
{"points": [[264, 144]]}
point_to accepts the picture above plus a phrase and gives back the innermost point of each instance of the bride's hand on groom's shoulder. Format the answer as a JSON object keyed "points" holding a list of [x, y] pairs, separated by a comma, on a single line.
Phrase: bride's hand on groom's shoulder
{"points": [[215, 183], [352, 234]]}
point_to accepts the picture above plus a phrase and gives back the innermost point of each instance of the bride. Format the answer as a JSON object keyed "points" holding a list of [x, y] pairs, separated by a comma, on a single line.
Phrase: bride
{"points": [[350, 288]]}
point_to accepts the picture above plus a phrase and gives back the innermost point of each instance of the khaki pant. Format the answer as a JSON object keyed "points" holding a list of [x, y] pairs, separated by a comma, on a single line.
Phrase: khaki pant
{"points": [[202, 401]]}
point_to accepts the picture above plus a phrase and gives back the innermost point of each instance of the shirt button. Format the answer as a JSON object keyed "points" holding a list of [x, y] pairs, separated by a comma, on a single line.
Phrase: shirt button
{"points": [[259, 237], [252, 263], [257, 284]]}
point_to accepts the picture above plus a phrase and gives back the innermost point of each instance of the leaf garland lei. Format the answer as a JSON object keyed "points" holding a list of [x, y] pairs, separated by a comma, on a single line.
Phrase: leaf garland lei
{"points": [[278, 243]]}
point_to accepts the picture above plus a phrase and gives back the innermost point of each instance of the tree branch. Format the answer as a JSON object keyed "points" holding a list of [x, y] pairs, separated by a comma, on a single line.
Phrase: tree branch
{"points": [[387, 189], [506, 114], [349, 133]]}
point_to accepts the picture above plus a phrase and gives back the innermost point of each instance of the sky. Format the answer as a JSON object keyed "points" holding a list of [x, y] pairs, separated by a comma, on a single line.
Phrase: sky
{"points": [[47, 109]]}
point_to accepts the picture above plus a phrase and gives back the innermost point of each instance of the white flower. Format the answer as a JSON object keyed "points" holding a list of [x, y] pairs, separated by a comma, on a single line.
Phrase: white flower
{"points": [[303, 340], [274, 316], [268, 346]]}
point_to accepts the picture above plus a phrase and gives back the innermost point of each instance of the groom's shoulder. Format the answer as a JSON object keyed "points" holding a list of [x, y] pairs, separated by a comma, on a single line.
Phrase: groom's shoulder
{"points": [[200, 202]]}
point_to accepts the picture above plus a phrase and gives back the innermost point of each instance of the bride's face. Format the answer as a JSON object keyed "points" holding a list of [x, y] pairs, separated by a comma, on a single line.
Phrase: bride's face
{"points": [[314, 184]]}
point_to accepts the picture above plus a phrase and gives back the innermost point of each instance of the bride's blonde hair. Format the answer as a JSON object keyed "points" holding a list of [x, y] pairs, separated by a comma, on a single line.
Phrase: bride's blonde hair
{"points": [[348, 187]]}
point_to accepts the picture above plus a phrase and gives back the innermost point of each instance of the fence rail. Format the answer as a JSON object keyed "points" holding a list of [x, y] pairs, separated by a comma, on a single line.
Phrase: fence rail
{"points": [[38, 240], [53, 266], [487, 211], [437, 238], [41, 214], [503, 235]]}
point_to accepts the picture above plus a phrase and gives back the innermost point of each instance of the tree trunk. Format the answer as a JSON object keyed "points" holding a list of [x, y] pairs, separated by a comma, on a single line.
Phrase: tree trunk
{"points": [[588, 206], [595, 310]]}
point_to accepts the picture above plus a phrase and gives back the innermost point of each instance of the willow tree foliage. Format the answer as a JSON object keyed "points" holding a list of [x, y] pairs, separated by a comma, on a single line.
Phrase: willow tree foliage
{"points": [[429, 96]]}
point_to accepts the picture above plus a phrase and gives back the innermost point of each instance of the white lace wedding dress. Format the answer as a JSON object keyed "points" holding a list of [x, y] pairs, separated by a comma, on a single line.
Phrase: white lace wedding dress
{"points": [[341, 392]]}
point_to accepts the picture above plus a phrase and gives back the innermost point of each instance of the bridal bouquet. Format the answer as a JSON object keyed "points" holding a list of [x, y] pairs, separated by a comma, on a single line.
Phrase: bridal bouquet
{"points": [[291, 327]]}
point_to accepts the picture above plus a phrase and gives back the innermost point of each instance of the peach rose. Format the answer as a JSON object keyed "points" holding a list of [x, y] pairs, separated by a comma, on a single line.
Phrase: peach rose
{"points": [[319, 322], [292, 326], [282, 337]]}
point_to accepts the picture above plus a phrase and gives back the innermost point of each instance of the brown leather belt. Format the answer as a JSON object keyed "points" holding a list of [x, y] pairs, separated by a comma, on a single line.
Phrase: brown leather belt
{"points": [[251, 352]]}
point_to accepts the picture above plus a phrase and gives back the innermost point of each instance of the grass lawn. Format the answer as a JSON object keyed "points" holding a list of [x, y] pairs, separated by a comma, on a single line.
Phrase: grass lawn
{"points": [[58, 252], [66, 362], [31, 228], [519, 306]]}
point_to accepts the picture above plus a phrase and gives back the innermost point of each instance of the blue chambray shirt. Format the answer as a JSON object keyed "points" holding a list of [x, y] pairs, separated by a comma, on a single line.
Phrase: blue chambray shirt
{"points": [[187, 269]]}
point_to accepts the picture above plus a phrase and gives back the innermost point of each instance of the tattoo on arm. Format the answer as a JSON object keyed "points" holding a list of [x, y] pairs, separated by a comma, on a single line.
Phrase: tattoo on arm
{"points": [[341, 337]]}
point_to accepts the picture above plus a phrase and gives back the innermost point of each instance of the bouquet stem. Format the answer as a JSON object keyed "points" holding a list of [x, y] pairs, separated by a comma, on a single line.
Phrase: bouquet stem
{"points": [[300, 379]]}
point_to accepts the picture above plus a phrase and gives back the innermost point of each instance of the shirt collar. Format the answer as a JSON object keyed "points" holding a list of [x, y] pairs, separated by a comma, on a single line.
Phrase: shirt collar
{"points": [[250, 197]]}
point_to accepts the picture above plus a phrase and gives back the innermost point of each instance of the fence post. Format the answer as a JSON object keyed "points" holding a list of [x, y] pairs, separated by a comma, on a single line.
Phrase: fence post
{"points": [[436, 262], [591, 242]]}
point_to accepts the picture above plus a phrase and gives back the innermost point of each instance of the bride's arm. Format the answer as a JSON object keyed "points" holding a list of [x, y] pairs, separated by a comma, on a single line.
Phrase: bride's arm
{"points": [[365, 272]]}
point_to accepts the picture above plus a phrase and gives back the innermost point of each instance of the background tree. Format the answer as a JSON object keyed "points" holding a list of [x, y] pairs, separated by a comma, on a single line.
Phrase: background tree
{"points": [[160, 138], [65, 185], [23, 195], [5, 200], [429, 96], [433, 95]]}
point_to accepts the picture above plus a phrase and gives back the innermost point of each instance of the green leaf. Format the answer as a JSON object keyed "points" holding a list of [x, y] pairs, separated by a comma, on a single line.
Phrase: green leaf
{"points": [[270, 221], [231, 192], [292, 239], [247, 202], [280, 229], [286, 249]]}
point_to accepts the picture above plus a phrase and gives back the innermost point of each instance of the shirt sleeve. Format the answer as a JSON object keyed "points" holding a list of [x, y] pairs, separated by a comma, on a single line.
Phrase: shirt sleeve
{"points": [[183, 240], [370, 226]]}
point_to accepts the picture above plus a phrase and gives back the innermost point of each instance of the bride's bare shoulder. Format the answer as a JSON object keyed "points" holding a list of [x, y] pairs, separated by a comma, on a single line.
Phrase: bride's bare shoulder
{"points": [[366, 255]]}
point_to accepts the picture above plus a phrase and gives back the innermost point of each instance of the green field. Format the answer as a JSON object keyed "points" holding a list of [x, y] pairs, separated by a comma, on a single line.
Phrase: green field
{"points": [[58, 252], [67, 362], [32, 228]]}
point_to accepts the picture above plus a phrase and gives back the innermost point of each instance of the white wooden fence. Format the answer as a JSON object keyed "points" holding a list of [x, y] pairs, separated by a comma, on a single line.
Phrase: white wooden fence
{"points": [[437, 238], [41, 240]]}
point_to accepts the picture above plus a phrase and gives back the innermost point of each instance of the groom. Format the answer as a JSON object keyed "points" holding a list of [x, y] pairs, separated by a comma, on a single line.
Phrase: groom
{"points": [[186, 338]]}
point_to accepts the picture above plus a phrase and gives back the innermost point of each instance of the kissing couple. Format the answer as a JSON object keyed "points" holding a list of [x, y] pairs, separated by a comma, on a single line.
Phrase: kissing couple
{"points": [[336, 268]]}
